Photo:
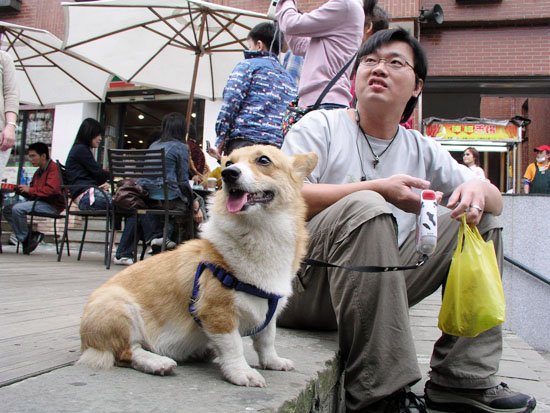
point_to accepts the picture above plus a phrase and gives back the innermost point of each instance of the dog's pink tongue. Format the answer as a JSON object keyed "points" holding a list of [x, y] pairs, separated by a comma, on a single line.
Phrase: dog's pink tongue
{"points": [[236, 202]]}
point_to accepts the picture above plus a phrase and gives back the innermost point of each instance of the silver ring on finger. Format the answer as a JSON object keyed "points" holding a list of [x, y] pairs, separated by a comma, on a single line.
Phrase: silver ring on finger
{"points": [[475, 206]]}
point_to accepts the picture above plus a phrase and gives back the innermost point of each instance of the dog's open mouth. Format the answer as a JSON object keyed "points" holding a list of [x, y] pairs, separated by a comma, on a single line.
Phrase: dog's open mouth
{"points": [[239, 200]]}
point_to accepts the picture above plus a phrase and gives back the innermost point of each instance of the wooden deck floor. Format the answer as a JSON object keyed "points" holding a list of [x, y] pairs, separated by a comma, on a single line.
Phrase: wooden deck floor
{"points": [[41, 301]]}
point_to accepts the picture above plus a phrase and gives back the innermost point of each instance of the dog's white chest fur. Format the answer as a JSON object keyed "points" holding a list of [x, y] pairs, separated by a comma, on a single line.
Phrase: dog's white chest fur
{"points": [[269, 246]]}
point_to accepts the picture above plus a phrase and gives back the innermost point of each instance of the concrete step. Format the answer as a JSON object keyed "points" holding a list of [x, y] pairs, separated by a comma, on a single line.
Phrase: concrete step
{"points": [[314, 385], [49, 383]]}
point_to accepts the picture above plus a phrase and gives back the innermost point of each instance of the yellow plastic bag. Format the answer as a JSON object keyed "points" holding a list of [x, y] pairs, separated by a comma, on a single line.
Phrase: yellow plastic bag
{"points": [[473, 301]]}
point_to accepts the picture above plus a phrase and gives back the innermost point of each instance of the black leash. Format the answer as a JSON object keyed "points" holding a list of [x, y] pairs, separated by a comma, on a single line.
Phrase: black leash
{"points": [[367, 268]]}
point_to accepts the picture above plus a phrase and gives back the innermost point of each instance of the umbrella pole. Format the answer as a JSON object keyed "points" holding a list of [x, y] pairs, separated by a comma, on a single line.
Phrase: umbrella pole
{"points": [[191, 98], [198, 54]]}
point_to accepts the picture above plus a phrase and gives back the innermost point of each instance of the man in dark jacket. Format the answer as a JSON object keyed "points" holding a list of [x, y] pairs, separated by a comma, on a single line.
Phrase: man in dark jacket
{"points": [[45, 189]]}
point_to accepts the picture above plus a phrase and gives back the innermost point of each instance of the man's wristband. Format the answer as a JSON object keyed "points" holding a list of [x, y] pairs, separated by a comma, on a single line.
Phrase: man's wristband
{"points": [[12, 123]]}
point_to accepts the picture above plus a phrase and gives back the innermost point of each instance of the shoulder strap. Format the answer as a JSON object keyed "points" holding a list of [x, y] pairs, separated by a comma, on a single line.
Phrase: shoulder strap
{"points": [[228, 280], [332, 82], [366, 268]]}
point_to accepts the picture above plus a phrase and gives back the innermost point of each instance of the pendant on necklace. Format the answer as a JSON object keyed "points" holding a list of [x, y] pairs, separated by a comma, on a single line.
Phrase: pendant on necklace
{"points": [[375, 162]]}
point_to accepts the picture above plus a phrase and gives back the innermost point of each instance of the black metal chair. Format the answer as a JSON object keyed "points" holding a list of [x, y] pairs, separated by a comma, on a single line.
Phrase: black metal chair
{"points": [[151, 164], [86, 215]]}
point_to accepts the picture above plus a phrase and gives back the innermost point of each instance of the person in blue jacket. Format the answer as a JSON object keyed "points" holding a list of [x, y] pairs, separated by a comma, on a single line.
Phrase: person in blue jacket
{"points": [[256, 95], [176, 152]]}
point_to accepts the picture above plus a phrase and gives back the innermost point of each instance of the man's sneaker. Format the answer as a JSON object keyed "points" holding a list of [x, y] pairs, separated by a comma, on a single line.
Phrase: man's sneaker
{"points": [[25, 244], [495, 399], [123, 261], [13, 239], [402, 401], [33, 240], [156, 245]]}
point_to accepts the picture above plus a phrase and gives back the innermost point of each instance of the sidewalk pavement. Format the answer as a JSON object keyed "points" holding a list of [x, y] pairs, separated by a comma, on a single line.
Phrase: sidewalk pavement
{"points": [[41, 301]]}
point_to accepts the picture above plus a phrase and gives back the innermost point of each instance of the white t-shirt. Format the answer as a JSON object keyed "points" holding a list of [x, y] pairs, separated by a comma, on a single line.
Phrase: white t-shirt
{"points": [[479, 172], [344, 157]]}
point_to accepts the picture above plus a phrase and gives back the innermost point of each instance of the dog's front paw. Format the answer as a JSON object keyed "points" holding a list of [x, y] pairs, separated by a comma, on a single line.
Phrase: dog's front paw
{"points": [[154, 364], [278, 363], [246, 377]]}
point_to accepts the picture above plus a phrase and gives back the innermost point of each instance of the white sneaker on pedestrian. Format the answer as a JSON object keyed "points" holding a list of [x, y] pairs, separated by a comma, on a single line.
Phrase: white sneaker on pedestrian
{"points": [[157, 242], [123, 261]]}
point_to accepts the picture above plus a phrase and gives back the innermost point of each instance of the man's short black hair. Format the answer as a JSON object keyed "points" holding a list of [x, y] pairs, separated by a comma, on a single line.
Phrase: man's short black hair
{"points": [[375, 15], [268, 35], [40, 148], [383, 37]]}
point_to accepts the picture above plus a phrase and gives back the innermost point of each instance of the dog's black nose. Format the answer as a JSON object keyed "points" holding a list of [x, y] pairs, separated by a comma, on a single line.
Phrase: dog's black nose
{"points": [[231, 174]]}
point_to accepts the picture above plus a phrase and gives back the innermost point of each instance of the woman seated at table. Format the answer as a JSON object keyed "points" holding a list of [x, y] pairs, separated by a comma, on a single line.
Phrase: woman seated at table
{"points": [[176, 153], [86, 177]]}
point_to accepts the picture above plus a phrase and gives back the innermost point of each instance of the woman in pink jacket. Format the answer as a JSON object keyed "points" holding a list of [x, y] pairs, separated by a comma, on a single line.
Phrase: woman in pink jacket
{"points": [[327, 37]]}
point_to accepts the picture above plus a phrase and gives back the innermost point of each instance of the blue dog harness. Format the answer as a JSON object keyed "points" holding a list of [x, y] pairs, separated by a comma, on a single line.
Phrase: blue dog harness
{"points": [[228, 280]]}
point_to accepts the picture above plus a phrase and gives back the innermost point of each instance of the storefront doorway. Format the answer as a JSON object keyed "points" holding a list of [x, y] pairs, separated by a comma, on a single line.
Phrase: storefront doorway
{"points": [[133, 120]]}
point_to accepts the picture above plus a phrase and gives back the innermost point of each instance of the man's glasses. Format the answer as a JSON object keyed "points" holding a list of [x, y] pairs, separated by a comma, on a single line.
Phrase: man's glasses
{"points": [[394, 63]]}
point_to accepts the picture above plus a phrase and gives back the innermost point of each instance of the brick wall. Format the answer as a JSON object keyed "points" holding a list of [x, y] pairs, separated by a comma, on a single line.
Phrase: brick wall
{"points": [[538, 110], [492, 51], [396, 8], [537, 131], [504, 10], [498, 107], [42, 14]]}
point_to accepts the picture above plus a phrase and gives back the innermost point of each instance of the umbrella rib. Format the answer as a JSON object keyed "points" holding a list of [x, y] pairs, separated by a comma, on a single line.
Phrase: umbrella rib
{"points": [[44, 55], [175, 43], [210, 64], [143, 24], [192, 20], [16, 37], [176, 31], [25, 38], [124, 29], [224, 28], [160, 49], [194, 79]]}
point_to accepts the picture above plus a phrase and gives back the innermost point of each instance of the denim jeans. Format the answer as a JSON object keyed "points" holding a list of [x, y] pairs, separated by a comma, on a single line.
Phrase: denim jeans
{"points": [[149, 228], [100, 201], [16, 215]]}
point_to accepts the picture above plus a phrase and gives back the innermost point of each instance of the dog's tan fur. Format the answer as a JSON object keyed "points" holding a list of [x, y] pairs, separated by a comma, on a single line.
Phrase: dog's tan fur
{"points": [[140, 317]]}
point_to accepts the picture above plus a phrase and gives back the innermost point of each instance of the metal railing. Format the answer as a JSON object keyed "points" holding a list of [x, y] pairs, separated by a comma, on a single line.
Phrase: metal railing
{"points": [[529, 271]]}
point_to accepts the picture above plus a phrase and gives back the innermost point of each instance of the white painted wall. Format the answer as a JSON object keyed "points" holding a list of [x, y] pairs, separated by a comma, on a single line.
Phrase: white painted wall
{"points": [[211, 110], [67, 120]]}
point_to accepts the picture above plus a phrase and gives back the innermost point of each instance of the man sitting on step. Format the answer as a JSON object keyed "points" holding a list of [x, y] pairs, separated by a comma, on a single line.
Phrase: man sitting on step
{"points": [[362, 198], [45, 189]]}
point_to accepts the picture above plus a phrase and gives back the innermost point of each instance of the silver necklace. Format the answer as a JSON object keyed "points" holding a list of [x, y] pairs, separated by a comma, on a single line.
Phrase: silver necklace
{"points": [[376, 157]]}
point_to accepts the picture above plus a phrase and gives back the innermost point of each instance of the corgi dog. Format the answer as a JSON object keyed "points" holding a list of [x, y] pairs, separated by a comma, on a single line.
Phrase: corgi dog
{"points": [[199, 300]]}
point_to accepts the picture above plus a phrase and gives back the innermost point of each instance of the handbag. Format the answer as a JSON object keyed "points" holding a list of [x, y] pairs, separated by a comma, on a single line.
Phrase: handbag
{"points": [[294, 113], [130, 195], [473, 299]]}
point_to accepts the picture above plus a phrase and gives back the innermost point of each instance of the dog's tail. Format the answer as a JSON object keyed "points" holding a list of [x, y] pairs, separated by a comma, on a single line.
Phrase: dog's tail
{"points": [[97, 359]]}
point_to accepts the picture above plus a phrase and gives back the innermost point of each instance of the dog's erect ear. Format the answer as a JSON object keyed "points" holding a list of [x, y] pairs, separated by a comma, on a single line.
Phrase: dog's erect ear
{"points": [[304, 163]]}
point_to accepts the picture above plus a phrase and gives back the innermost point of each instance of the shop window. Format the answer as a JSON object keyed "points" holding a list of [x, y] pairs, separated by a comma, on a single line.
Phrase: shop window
{"points": [[33, 126]]}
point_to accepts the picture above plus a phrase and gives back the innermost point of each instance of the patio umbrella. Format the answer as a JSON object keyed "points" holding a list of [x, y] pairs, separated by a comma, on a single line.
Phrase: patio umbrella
{"points": [[47, 75], [185, 46]]}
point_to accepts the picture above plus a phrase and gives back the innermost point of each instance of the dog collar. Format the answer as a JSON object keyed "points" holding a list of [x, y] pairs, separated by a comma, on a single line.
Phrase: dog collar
{"points": [[228, 280]]}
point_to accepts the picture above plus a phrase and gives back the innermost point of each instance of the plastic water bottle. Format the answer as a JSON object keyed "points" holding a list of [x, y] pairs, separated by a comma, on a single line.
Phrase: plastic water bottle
{"points": [[23, 178]]}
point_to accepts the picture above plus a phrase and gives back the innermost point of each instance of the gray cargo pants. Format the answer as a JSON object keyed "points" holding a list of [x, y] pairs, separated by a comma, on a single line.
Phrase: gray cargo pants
{"points": [[371, 310]]}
